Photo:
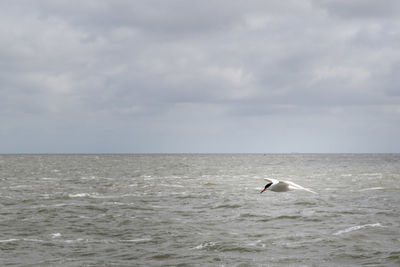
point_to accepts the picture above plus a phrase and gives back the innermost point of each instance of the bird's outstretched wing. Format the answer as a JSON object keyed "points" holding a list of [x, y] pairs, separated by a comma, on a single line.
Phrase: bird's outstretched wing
{"points": [[298, 187], [270, 180]]}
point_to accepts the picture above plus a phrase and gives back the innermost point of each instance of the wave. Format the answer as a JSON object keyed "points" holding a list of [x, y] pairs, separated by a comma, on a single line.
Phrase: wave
{"points": [[305, 203], [23, 239], [9, 240], [49, 178], [172, 185], [372, 174], [96, 195], [357, 227], [372, 188], [73, 241], [205, 245], [288, 217], [139, 240], [56, 235], [227, 206], [257, 243], [248, 215], [56, 238], [80, 195]]}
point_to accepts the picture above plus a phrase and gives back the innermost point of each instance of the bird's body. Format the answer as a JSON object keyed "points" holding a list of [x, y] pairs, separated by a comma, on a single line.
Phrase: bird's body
{"points": [[283, 186]]}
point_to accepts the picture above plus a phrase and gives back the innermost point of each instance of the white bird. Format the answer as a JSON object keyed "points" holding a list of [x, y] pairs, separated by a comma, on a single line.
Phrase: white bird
{"points": [[283, 186]]}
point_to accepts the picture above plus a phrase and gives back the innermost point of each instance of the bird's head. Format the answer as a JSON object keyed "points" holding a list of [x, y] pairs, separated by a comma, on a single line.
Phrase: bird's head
{"points": [[266, 186]]}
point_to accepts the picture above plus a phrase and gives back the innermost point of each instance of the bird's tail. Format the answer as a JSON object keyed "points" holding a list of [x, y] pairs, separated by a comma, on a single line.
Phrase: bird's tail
{"points": [[309, 190]]}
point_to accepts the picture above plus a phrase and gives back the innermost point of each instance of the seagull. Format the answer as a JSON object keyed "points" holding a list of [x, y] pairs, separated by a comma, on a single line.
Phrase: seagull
{"points": [[283, 186]]}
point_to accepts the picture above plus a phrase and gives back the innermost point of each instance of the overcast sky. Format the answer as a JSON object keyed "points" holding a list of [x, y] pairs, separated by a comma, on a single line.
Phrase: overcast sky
{"points": [[120, 76]]}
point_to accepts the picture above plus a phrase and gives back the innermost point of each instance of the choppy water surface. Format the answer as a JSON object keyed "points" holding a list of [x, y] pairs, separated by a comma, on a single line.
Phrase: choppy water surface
{"points": [[199, 210]]}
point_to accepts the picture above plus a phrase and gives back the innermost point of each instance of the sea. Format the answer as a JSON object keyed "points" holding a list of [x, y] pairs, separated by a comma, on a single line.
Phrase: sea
{"points": [[199, 210]]}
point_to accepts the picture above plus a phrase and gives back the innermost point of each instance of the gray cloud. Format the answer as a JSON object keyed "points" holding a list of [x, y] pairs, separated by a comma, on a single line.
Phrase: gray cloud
{"points": [[364, 9], [189, 76]]}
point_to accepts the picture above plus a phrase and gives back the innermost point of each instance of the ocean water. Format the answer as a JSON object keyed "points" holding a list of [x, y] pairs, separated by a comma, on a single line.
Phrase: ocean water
{"points": [[199, 210]]}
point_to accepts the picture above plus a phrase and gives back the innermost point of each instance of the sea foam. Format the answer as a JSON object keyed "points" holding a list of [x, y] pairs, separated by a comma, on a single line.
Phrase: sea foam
{"points": [[357, 227]]}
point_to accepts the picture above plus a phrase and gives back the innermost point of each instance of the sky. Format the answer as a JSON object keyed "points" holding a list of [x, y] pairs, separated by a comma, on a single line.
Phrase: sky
{"points": [[179, 76]]}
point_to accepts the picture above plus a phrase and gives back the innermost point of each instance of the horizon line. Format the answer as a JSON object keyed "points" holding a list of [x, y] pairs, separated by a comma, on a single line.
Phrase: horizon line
{"points": [[189, 153]]}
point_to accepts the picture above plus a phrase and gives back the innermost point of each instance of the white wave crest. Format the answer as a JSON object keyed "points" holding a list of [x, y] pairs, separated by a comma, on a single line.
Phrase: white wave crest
{"points": [[205, 245], [56, 235], [357, 227], [372, 188], [72, 241], [79, 195]]}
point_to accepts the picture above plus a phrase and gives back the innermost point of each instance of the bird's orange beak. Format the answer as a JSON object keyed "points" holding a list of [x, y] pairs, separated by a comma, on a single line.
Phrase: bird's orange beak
{"points": [[263, 190]]}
